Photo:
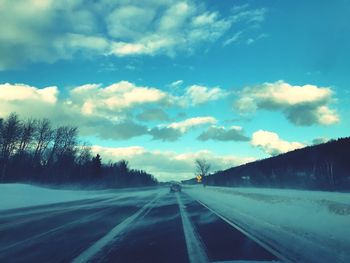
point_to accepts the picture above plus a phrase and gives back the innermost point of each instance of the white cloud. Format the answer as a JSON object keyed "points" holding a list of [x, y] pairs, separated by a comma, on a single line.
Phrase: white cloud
{"points": [[114, 102], [185, 125], [93, 99], [205, 19], [163, 28], [70, 42], [21, 92], [196, 94], [47, 31], [326, 115], [176, 83], [220, 133], [248, 39], [252, 40], [175, 16], [243, 13], [175, 130], [233, 39], [27, 100], [34, 102], [107, 112], [272, 144], [302, 105], [129, 21], [168, 165], [253, 19]]}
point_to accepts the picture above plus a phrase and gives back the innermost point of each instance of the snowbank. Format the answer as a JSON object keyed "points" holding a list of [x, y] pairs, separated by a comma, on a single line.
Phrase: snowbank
{"points": [[23, 195], [306, 226]]}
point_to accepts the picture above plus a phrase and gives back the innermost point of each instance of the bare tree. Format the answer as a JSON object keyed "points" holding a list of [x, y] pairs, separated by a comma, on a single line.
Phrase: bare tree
{"points": [[84, 154], [43, 136], [1, 137], [10, 133], [64, 142], [26, 136], [202, 168]]}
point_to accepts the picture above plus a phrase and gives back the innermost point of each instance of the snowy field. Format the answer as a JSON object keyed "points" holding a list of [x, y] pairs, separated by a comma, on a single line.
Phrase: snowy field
{"points": [[308, 226]]}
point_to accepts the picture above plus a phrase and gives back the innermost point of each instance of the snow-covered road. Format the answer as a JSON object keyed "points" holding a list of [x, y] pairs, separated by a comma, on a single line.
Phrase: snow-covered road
{"points": [[143, 225], [153, 225]]}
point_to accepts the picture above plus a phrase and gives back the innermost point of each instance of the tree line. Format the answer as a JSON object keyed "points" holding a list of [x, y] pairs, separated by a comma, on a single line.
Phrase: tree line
{"points": [[33, 150], [319, 167]]}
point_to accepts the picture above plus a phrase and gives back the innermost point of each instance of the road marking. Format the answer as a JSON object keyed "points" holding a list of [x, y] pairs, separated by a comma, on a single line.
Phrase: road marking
{"points": [[261, 243], [195, 247], [112, 235]]}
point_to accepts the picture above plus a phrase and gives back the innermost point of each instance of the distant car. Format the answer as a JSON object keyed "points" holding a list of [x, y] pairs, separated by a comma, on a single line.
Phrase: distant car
{"points": [[175, 187]]}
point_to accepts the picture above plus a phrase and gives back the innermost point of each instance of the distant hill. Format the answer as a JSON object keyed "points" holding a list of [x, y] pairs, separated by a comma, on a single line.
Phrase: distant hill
{"points": [[320, 167]]}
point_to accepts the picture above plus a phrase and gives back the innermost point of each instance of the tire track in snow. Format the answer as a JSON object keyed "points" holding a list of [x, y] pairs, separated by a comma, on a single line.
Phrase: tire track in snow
{"points": [[51, 231], [261, 243], [38, 213], [195, 247], [48, 213], [113, 234]]}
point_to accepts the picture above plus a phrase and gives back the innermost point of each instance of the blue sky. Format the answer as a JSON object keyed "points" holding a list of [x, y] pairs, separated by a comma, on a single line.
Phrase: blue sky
{"points": [[161, 83]]}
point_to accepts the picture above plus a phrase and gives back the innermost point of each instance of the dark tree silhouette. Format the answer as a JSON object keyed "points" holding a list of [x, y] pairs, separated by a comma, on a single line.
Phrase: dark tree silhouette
{"points": [[323, 167], [96, 164], [10, 133], [33, 151], [43, 136]]}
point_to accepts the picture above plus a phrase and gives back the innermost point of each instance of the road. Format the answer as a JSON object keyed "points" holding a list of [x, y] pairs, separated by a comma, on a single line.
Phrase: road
{"points": [[152, 225]]}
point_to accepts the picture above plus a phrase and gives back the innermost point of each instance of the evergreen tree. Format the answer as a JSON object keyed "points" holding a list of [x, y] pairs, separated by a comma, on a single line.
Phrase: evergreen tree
{"points": [[96, 163]]}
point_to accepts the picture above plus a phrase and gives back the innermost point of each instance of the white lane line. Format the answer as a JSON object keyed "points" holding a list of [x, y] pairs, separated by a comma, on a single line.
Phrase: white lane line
{"points": [[195, 248], [261, 243], [112, 235]]}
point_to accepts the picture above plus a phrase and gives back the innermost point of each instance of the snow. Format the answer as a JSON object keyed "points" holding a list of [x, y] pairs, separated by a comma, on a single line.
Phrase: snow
{"points": [[23, 195], [310, 226]]}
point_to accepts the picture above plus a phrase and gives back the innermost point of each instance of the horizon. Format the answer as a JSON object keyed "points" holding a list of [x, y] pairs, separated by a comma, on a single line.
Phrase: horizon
{"points": [[163, 83]]}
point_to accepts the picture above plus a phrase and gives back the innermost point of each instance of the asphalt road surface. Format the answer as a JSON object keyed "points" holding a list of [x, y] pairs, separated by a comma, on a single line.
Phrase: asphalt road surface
{"points": [[151, 225]]}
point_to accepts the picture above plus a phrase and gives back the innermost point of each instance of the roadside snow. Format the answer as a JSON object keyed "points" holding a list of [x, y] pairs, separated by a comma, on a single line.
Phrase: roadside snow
{"points": [[307, 226], [23, 195]]}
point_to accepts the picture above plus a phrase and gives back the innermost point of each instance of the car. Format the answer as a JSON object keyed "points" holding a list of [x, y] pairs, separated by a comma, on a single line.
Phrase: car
{"points": [[175, 187]]}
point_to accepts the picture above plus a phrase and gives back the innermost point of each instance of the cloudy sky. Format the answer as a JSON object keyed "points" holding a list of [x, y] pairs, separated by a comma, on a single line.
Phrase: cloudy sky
{"points": [[163, 82]]}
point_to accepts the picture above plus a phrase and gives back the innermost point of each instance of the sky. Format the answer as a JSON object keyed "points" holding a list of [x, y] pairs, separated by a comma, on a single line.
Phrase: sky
{"points": [[161, 83]]}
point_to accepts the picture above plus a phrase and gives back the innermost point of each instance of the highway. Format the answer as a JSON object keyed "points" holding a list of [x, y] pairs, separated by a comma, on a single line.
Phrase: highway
{"points": [[149, 225]]}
